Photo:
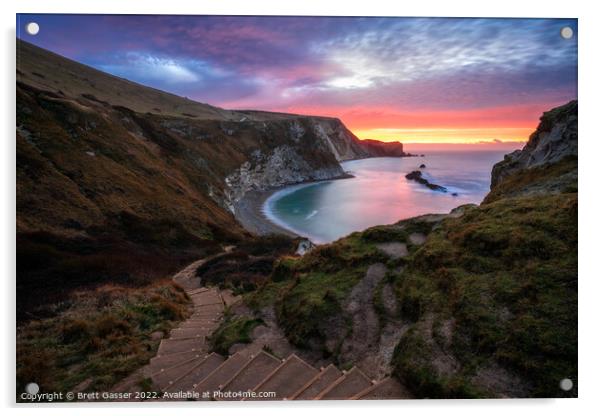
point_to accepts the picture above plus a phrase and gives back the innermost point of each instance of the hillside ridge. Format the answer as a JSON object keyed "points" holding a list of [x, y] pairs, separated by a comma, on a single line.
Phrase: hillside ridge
{"points": [[111, 169]]}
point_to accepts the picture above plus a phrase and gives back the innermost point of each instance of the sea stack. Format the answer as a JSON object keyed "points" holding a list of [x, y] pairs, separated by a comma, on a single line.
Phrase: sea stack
{"points": [[416, 175]]}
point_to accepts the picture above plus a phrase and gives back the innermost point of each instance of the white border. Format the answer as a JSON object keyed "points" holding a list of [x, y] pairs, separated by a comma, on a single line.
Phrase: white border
{"points": [[590, 94]]}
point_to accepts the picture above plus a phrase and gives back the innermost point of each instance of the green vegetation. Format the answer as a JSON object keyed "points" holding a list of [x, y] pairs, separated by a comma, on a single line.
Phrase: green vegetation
{"points": [[249, 265], [97, 338], [490, 297], [234, 330], [537, 177], [506, 275], [378, 301], [307, 291]]}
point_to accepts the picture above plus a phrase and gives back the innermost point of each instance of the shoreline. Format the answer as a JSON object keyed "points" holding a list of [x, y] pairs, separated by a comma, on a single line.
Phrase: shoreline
{"points": [[248, 211]]}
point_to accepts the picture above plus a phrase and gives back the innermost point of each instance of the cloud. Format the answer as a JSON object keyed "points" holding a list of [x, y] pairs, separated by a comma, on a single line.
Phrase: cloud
{"points": [[151, 68], [384, 72]]}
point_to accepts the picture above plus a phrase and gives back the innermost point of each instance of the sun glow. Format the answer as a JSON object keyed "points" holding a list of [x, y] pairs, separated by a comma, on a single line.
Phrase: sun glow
{"points": [[447, 135]]}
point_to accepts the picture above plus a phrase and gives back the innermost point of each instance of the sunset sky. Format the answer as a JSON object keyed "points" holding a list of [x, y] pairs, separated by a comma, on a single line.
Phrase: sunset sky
{"points": [[416, 80]]}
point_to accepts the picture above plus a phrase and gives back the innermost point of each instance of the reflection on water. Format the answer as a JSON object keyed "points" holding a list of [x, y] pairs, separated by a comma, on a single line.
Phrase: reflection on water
{"points": [[380, 194]]}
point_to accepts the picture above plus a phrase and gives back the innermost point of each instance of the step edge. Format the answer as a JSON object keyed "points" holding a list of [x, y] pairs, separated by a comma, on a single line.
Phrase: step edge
{"points": [[370, 389], [292, 357], [312, 381], [340, 380], [216, 369], [251, 359], [174, 383], [163, 370], [169, 383], [282, 364]]}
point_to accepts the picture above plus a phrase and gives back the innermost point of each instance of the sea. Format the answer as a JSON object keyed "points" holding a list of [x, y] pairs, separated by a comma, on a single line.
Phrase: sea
{"points": [[379, 193]]}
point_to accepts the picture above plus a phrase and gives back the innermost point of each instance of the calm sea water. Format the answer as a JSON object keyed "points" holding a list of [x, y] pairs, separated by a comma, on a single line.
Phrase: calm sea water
{"points": [[380, 194]]}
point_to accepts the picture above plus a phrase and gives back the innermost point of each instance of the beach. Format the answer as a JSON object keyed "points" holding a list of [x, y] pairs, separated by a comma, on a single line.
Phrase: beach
{"points": [[249, 213]]}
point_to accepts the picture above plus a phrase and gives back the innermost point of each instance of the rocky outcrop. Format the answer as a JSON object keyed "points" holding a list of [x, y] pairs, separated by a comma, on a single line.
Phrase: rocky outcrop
{"points": [[283, 166], [416, 175], [314, 146], [377, 148], [555, 139], [346, 146]]}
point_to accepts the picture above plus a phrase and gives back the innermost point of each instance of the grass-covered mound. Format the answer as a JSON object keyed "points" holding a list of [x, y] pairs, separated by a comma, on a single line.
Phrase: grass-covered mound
{"points": [[248, 265], [308, 292], [98, 337], [493, 300], [233, 330]]}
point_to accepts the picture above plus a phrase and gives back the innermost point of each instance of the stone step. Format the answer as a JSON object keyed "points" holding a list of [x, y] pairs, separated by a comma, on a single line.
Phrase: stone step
{"points": [[206, 315], [206, 322], [191, 292], [228, 298], [286, 379], [180, 333], [386, 389], [215, 317], [221, 374], [251, 374], [346, 386], [186, 284], [187, 380], [316, 385], [209, 297], [171, 346], [165, 377], [163, 362], [209, 325], [209, 308]]}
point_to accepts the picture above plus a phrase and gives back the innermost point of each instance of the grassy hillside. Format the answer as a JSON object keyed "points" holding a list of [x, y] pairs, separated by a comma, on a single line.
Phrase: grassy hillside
{"points": [[51, 72], [489, 300], [124, 183], [493, 294], [97, 337], [483, 301], [117, 182]]}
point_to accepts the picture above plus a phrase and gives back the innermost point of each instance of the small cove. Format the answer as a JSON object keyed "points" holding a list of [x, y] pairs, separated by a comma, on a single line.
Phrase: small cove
{"points": [[379, 193]]}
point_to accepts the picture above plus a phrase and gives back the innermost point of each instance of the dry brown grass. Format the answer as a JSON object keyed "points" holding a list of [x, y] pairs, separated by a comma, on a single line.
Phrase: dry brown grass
{"points": [[100, 335]]}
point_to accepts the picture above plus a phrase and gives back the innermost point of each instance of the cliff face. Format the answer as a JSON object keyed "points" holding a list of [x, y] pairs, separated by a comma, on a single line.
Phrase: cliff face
{"points": [[263, 149], [384, 149], [554, 140], [113, 168], [307, 140]]}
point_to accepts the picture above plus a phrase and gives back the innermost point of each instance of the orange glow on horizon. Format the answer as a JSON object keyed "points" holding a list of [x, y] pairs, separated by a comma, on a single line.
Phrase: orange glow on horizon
{"points": [[448, 136], [502, 126]]}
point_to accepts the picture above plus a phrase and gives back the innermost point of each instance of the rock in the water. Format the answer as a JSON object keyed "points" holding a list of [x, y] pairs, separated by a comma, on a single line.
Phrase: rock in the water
{"points": [[416, 175]]}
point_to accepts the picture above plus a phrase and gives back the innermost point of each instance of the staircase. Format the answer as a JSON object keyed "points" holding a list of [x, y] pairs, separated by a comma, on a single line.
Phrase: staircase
{"points": [[184, 366]]}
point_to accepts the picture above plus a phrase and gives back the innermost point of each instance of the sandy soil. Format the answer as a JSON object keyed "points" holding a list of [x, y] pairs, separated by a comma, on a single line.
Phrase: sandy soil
{"points": [[248, 211]]}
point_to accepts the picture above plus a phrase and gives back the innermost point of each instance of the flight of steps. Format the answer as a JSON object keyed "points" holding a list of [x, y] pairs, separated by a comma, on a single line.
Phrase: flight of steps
{"points": [[213, 377], [183, 358], [185, 368]]}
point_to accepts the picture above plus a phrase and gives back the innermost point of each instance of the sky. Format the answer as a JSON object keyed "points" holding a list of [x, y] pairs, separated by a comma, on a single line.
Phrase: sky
{"points": [[415, 80]]}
